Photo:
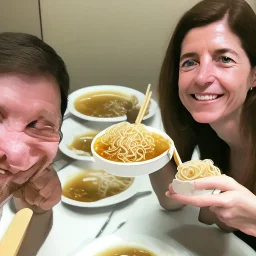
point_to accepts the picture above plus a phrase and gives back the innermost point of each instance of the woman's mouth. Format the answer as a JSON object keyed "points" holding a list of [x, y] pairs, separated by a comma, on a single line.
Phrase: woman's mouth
{"points": [[206, 97]]}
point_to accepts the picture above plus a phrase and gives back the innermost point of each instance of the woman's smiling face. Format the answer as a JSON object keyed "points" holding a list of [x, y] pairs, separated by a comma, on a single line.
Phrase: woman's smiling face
{"points": [[215, 73]]}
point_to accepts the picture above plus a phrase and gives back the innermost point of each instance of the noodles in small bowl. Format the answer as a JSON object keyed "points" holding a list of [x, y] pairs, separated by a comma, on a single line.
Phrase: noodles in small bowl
{"points": [[131, 150], [192, 170]]}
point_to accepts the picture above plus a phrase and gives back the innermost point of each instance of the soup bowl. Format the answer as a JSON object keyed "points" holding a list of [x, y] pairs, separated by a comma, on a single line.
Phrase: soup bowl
{"points": [[128, 169], [121, 90]]}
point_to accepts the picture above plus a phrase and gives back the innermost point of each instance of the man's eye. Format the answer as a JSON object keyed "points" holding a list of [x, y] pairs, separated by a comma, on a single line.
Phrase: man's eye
{"points": [[32, 124], [188, 63]]}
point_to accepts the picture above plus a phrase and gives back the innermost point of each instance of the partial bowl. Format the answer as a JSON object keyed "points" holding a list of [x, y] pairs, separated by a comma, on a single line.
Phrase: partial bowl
{"points": [[78, 167], [136, 168], [73, 129], [154, 245], [119, 89]]}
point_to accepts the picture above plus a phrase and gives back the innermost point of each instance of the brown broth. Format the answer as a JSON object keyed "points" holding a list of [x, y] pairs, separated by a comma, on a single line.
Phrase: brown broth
{"points": [[81, 144], [126, 251], [105, 104], [161, 145], [84, 187]]}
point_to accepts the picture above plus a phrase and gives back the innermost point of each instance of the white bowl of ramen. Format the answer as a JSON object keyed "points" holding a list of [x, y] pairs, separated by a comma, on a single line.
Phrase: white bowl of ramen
{"points": [[107, 103], [135, 168], [189, 171], [83, 185]]}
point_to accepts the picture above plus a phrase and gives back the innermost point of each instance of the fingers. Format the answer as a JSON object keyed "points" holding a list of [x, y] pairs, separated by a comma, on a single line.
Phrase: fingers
{"points": [[22, 177], [37, 178], [225, 199], [44, 191], [47, 204], [47, 190], [46, 176], [198, 201], [223, 183]]}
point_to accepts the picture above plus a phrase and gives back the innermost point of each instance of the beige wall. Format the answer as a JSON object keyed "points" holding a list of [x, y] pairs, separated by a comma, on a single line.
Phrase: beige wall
{"points": [[20, 16], [112, 42]]}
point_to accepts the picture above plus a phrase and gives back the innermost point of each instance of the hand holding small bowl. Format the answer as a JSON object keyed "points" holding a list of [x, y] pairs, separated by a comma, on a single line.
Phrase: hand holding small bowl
{"points": [[190, 171]]}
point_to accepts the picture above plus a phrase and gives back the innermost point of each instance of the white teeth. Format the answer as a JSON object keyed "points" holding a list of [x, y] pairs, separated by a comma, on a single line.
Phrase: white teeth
{"points": [[2, 172], [205, 97]]}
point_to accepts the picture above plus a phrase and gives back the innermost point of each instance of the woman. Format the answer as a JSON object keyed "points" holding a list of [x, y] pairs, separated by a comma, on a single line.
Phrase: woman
{"points": [[208, 100]]}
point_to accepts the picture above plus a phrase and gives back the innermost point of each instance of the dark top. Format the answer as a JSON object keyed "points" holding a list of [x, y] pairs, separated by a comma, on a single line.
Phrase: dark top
{"points": [[250, 240]]}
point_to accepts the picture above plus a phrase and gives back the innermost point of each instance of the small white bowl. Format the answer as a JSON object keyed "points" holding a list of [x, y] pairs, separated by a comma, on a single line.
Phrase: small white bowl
{"points": [[120, 89], [137, 168], [186, 188]]}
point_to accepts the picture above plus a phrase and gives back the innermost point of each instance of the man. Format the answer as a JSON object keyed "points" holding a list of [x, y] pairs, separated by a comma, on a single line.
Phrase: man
{"points": [[34, 85]]}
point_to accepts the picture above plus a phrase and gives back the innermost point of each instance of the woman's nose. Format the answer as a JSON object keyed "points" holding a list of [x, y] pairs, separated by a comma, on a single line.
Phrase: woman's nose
{"points": [[205, 75], [14, 150]]}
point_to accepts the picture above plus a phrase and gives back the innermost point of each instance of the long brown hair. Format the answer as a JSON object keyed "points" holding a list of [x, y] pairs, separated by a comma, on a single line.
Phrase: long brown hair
{"points": [[177, 121]]}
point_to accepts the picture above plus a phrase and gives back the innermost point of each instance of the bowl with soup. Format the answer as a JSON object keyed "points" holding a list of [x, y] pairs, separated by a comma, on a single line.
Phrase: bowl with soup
{"points": [[83, 185], [131, 245], [108, 103], [131, 150], [189, 171]]}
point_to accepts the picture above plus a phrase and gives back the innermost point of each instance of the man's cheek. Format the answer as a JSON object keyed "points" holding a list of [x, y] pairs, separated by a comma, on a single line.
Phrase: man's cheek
{"points": [[48, 150]]}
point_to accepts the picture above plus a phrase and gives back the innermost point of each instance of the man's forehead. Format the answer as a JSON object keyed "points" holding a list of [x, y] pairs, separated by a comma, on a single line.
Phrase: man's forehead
{"points": [[30, 82], [26, 88]]}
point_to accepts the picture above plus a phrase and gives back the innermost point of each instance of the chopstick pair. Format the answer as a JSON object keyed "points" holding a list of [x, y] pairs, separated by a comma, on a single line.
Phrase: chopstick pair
{"points": [[141, 115], [144, 105]]}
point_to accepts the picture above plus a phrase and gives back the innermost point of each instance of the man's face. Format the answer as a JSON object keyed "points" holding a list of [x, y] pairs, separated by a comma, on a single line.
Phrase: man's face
{"points": [[29, 124]]}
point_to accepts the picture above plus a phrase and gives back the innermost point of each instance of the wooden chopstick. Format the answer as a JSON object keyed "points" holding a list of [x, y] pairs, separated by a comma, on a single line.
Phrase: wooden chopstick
{"points": [[13, 238], [176, 157], [144, 105]]}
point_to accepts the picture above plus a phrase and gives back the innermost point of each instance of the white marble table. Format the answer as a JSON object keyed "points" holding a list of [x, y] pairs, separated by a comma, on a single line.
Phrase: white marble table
{"points": [[144, 216]]}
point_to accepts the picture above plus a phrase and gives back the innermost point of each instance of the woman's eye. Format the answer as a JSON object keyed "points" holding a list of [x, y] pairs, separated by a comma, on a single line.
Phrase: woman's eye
{"points": [[188, 63], [32, 124], [226, 59]]}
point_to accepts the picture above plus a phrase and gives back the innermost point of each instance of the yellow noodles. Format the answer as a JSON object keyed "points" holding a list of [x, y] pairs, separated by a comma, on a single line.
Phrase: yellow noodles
{"points": [[128, 142], [107, 182], [196, 169]]}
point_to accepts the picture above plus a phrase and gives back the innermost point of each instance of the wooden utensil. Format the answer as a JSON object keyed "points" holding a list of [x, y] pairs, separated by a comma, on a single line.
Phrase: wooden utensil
{"points": [[176, 157], [141, 115], [13, 238], [144, 105]]}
